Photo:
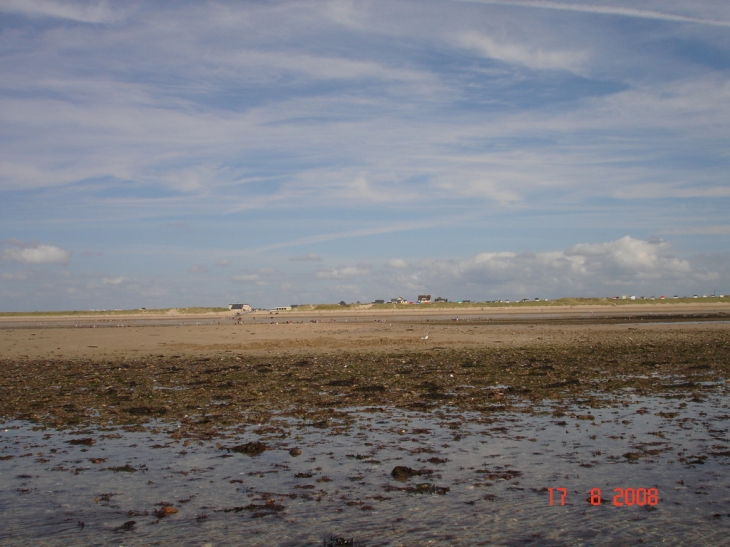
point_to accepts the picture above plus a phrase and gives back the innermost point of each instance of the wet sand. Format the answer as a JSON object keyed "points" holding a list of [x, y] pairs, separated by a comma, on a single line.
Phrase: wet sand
{"points": [[106, 337], [599, 399], [381, 477]]}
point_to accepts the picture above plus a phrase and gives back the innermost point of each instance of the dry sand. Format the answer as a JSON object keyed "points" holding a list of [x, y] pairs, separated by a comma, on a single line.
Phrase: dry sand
{"points": [[111, 337]]}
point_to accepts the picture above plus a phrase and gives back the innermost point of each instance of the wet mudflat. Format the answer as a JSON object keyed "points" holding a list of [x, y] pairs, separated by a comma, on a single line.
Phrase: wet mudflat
{"points": [[381, 477], [453, 447]]}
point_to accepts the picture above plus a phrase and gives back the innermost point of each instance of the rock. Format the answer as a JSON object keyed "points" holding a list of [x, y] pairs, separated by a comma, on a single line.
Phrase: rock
{"points": [[165, 511], [403, 473], [295, 452], [251, 449], [86, 442]]}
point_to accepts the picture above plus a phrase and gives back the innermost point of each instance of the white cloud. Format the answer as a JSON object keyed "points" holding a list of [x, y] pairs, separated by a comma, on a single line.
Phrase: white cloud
{"points": [[224, 263], [350, 185], [113, 280], [579, 270], [343, 273], [627, 256], [311, 257], [259, 277], [357, 119], [38, 254], [522, 54], [396, 263], [496, 187], [345, 13], [198, 268], [246, 278], [19, 276]]}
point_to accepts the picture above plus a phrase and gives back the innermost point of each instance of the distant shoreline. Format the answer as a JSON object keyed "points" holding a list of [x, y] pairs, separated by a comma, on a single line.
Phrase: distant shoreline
{"points": [[561, 307]]}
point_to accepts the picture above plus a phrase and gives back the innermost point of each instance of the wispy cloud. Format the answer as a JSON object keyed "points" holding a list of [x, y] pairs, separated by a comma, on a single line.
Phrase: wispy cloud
{"points": [[346, 234], [223, 134], [343, 272], [310, 257], [86, 12], [523, 54], [18, 276], [246, 278], [260, 277], [604, 10], [198, 268]]}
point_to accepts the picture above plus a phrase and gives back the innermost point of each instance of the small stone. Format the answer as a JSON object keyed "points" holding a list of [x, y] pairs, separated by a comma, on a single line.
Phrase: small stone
{"points": [[165, 511], [86, 442], [250, 449], [402, 473], [295, 452]]}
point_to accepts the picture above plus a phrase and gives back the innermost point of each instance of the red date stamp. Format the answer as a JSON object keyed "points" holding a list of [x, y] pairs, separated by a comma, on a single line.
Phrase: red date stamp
{"points": [[622, 497]]}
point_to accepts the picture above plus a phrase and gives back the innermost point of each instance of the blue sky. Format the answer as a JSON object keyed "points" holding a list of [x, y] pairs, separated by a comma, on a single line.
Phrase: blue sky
{"points": [[200, 153]]}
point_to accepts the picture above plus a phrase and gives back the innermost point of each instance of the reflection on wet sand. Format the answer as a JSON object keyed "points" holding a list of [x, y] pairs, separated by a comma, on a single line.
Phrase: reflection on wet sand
{"points": [[380, 477]]}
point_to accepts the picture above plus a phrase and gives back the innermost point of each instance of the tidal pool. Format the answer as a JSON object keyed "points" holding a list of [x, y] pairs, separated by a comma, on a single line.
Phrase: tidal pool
{"points": [[471, 479]]}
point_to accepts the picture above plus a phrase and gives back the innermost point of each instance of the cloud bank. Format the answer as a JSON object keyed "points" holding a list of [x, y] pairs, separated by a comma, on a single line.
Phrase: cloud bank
{"points": [[599, 269], [36, 254]]}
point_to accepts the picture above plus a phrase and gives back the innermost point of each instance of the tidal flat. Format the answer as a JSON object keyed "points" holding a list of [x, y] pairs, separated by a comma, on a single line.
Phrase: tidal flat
{"points": [[399, 445]]}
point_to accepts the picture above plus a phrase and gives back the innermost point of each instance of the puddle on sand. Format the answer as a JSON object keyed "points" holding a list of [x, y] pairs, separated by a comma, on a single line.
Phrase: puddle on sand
{"points": [[483, 480]]}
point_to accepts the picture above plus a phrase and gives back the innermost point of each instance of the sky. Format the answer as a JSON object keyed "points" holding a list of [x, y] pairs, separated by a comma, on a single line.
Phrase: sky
{"points": [[199, 153]]}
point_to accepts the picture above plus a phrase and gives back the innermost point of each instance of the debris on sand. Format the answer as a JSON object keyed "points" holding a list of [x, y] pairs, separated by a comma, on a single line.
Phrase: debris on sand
{"points": [[339, 541], [202, 398], [403, 473], [86, 442], [250, 449]]}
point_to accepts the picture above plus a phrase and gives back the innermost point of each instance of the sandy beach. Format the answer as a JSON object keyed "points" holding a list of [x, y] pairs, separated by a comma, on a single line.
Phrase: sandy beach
{"points": [[359, 354], [117, 337], [369, 428]]}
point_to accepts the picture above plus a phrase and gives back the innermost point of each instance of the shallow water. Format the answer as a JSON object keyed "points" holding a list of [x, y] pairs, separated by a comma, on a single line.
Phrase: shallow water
{"points": [[488, 479]]}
